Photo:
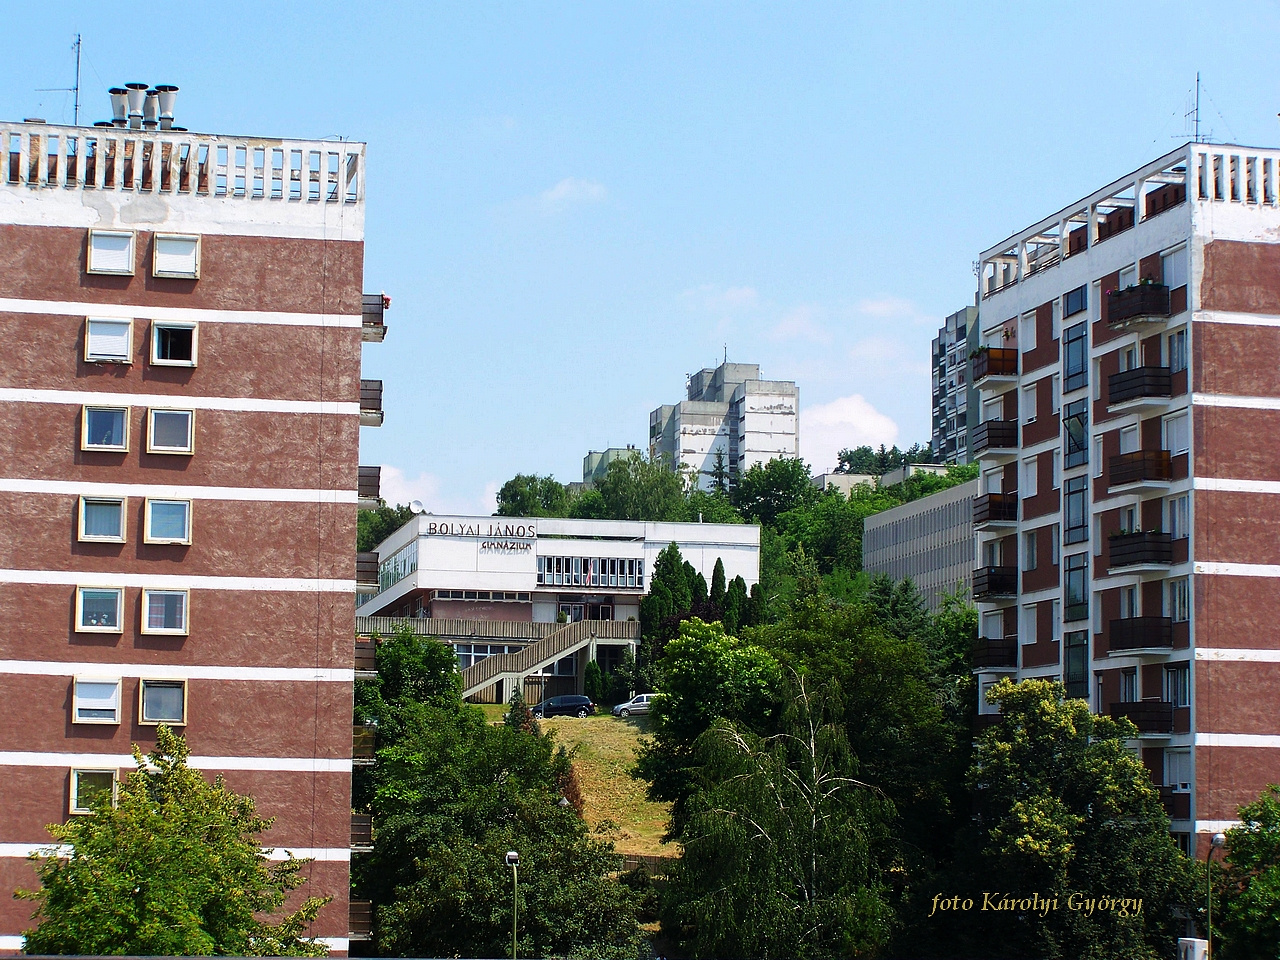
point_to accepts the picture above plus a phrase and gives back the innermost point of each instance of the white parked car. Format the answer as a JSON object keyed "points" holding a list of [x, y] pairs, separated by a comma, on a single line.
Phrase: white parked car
{"points": [[638, 704]]}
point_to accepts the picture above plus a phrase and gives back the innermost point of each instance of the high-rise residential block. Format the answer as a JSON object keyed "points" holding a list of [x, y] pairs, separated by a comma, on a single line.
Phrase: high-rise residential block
{"points": [[954, 398], [179, 420], [1128, 522]]}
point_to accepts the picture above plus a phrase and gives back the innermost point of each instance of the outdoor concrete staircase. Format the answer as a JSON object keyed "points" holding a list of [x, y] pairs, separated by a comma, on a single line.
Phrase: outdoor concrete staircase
{"points": [[512, 668]]}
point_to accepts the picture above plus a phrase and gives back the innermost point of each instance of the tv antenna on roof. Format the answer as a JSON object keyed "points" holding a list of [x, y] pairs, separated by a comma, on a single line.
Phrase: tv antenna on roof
{"points": [[75, 110]]}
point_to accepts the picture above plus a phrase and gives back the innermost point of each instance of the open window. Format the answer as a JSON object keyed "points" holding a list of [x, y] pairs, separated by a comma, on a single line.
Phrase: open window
{"points": [[98, 609], [102, 519], [96, 700], [173, 344], [162, 701], [176, 255], [89, 786], [165, 612], [105, 428], [171, 431], [167, 521], [111, 252], [108, 340]]}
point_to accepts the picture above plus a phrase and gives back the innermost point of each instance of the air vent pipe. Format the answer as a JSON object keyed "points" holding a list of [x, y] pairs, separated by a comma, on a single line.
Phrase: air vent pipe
{"points": [[168, 94], [137, 93], [119, 106]]}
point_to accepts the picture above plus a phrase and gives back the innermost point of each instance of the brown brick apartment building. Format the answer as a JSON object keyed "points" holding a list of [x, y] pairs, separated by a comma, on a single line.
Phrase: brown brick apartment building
{"points": [[179, 429], [1128, 523]]}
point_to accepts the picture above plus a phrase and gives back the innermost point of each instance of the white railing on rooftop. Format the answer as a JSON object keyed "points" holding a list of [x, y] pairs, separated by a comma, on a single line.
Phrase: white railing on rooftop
{"points": [[178, 162]]}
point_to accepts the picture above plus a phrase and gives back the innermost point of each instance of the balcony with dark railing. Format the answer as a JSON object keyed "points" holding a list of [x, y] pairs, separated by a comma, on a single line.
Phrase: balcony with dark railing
{"points": [[991, 582], [373, 325], [1144, 548], [366, 573], [361, 832], [360, 925], [1153, 717], [1177, 804], [995, 508], [1129, 636], [369, 486], [1141, 304], [995, 653], [996, 436], [364, 742], [366, 657], [1153, 467], [1151, 384], [370, 403], [995, 362]]}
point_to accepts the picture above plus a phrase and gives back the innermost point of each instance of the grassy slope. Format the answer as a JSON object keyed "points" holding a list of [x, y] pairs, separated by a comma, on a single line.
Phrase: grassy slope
{"points": [[606, 753]]}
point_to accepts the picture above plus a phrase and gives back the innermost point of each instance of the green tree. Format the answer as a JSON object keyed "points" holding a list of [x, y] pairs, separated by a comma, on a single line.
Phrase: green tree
{"points": [[1062, 807], [637, 488], [765, 492], [717, 584], [783, 846], [374, 526], [593, 682], [528, 495], [704, 675], [720, 473], [174, 868], [736, 603], [713, 507], [453, 795], [1248, 917]]}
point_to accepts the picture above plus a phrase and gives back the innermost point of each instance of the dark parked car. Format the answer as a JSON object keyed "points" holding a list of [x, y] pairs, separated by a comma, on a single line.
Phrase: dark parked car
{"points": [[570, 705], [638, 704]]}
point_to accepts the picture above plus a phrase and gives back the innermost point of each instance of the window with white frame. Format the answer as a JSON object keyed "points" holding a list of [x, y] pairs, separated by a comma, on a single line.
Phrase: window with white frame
{"points": [[105, 428], [1173, 267], [176, 255], [993, 625], [1178, 516], [168, 521], [993, 480], [1028, 630], [95, 700], [1129, 439], [1029, 550], [1029, 404], [1175, 350], [162, 701], [108, 341], [171, 431], [1129, 602], [98, 609], [1031, 476], [164, 611], [111, 251], [1057, 468], [1178, 599], [1177, 684], [1177, 434], [90, 786], [102, 519], [1177, 769], [1027, 331], [173, 344]]}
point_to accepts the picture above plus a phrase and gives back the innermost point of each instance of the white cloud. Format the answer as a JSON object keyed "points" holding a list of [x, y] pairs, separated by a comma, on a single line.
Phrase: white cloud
{"points": [[896, 309], [850, 421], [800, 323], [574, 190], [397, 488]]}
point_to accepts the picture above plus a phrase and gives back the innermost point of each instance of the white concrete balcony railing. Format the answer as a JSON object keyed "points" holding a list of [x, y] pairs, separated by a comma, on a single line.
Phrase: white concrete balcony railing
{"points": [[100, 167]]}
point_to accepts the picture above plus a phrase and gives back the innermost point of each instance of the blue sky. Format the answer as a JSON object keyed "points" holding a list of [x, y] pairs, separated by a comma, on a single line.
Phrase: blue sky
{"points": [[575, 205]]}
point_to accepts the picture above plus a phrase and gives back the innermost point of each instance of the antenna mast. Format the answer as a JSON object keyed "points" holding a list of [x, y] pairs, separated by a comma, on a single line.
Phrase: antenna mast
{"points": [[76, 109], [1198, 140]]}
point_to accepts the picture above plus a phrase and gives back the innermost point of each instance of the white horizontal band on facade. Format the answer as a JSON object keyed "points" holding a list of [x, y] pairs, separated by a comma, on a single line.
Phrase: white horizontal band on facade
{"points": [[257, 494], [162, 581], [1238, 402], [1242, 655], [1215, 826], [152, 671], [1224, 485], [121, 761], [335, 943], [327, 854], [91, 398], [319, 854], [12, 943], [1237, 569], [126, 311], [1266, 741], [1241, 319]]}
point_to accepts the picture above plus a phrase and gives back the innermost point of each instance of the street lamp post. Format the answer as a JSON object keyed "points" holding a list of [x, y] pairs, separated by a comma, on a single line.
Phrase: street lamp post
{"points": [[513, 860], [1214, 844]]}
